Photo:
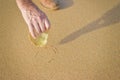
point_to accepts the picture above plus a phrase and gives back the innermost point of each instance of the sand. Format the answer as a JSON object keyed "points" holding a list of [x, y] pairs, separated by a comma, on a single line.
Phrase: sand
{"points": [[83, 43]]}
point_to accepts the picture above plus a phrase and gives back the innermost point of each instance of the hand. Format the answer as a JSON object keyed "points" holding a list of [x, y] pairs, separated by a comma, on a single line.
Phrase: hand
{"points": [[36, 20]]}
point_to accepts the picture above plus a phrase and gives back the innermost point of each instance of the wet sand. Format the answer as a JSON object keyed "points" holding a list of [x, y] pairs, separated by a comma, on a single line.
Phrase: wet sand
{"points": [[83, 44]]}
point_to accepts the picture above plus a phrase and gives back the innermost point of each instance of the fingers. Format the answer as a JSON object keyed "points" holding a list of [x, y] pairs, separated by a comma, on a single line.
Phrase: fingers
{"points": [[36, 26], [31, 30], [47, 23], [44, 24], [41, 24]]}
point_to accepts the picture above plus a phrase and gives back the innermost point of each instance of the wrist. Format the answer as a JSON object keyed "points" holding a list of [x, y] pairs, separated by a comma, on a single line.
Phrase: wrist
{"points": [[23, 4]]}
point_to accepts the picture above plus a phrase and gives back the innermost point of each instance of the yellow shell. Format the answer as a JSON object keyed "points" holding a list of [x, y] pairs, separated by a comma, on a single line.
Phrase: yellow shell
{"points": [[40, 40]]}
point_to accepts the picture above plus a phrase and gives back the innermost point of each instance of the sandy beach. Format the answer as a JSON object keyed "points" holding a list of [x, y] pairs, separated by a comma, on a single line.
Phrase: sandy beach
{"points": [[83, 42]]}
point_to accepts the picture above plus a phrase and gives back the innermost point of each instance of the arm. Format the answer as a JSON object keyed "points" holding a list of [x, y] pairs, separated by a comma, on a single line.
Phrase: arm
{"points": [[24, 3], [36, 20]]}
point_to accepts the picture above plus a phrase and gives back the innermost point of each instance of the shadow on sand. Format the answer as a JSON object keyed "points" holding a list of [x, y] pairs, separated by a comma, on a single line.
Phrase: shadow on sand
{"points": [[112, 16], [65, 3]]}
